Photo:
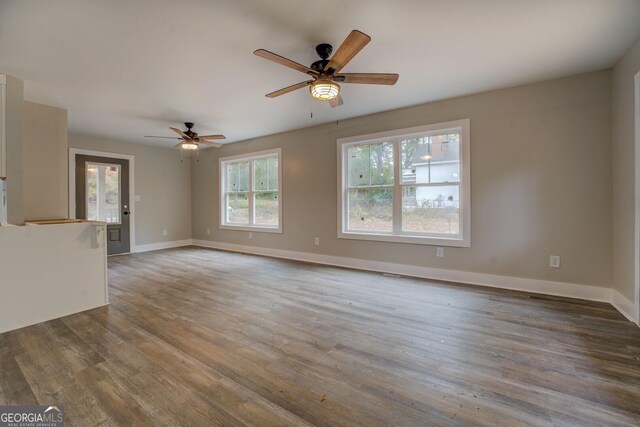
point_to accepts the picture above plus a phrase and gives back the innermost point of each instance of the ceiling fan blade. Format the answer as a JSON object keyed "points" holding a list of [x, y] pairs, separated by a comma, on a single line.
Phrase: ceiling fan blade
{"points": [[182, 134], [349, 48], [167, 137], [367, 78], [336, 102], [210, 143], [212, 137], [289, 89], [284, 61]]}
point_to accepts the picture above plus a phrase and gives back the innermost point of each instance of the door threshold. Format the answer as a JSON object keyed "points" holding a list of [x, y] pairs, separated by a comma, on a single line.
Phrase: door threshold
{"points": [[123, 253]]}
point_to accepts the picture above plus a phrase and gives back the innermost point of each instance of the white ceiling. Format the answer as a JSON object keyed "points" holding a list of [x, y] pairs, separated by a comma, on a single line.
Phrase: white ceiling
{"points": [[125, 69]]}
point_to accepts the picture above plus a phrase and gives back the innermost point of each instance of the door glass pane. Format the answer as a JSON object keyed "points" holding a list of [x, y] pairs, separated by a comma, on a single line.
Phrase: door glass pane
{"points": [[237, 176], [370, 210], [429, 159], [431, 209], [238, 208], [266, 208], [103, 192], [370, 164]]}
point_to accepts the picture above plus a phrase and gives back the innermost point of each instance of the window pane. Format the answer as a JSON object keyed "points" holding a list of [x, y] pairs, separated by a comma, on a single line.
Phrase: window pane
{"points": [[412, 152], [272, 173], [103, 192], [238, 208], [430, 159], [237, 176], [370, 210], [431, 209], [265, 172], [266, 208], [370, 164], [260, 178], [382, 164]]}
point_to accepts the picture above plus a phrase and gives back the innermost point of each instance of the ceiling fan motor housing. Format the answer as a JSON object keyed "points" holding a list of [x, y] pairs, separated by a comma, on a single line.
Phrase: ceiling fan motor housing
{"points": [[324, 51], [189, 132]]}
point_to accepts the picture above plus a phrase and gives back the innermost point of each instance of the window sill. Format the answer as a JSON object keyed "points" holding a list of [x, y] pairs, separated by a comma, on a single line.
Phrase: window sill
{"points": [[256, 229], [416, 240]]}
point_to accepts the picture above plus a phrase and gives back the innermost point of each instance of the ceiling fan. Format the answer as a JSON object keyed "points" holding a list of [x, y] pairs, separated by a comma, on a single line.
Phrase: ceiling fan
{"points": [[326, 74], [190, 140]]}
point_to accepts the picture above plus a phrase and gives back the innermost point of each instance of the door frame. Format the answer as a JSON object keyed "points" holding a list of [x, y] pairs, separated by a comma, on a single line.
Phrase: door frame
{"points": [[132, 203], [636, 255]]}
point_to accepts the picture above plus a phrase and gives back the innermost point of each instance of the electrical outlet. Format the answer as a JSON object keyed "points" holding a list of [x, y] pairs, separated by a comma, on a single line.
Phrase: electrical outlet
{"points": [[440, 252], [164, 232], [316, 241], [554, 261], [250, 235], [208, 231]]}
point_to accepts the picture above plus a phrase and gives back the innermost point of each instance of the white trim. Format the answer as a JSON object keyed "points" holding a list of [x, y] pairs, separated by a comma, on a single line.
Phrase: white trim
{"points": [[252, 228], [163, 245], [585, 292], [72, 187], [636, 253], [624, 306], [399, 238], [464, 184], [250, 157]]}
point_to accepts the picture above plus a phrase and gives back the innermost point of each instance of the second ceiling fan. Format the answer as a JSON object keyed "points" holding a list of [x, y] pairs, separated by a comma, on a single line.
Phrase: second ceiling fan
{"points": [[189, 140], [326, 74]]}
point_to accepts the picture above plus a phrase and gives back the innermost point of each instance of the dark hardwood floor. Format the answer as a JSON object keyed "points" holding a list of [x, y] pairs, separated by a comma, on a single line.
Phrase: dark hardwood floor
{"points": [[202, 337]]}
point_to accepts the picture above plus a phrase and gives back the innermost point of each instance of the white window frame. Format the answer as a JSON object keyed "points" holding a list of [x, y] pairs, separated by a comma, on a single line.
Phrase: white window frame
{"points": [[250, 157], [462, 240]]}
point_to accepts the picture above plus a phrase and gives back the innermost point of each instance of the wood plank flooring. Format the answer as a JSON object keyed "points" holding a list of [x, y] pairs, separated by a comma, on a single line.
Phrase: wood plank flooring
{"points": [[202, 337]]}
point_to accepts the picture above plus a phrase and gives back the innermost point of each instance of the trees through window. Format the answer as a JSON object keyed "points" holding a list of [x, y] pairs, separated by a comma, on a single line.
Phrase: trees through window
{"points": [[250, 191]]}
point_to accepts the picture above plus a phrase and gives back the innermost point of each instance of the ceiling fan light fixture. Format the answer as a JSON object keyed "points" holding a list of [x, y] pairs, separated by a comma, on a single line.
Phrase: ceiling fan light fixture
{"points": [[189, 145], [324, 90]]}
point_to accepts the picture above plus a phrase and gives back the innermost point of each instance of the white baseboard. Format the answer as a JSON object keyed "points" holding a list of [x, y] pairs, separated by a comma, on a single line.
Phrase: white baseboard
{"points": [[625, 306], [585, 292], [162, 245]]}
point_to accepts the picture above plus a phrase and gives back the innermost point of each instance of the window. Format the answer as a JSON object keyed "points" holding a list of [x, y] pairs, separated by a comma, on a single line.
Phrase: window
{"points": [[250, 192], [409, 185]]}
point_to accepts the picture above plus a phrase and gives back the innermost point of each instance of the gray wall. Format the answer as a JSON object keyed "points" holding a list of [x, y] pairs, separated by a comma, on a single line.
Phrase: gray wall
{"points": [[45, 158], [162, 182], [541, 183], [624, 169]]}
